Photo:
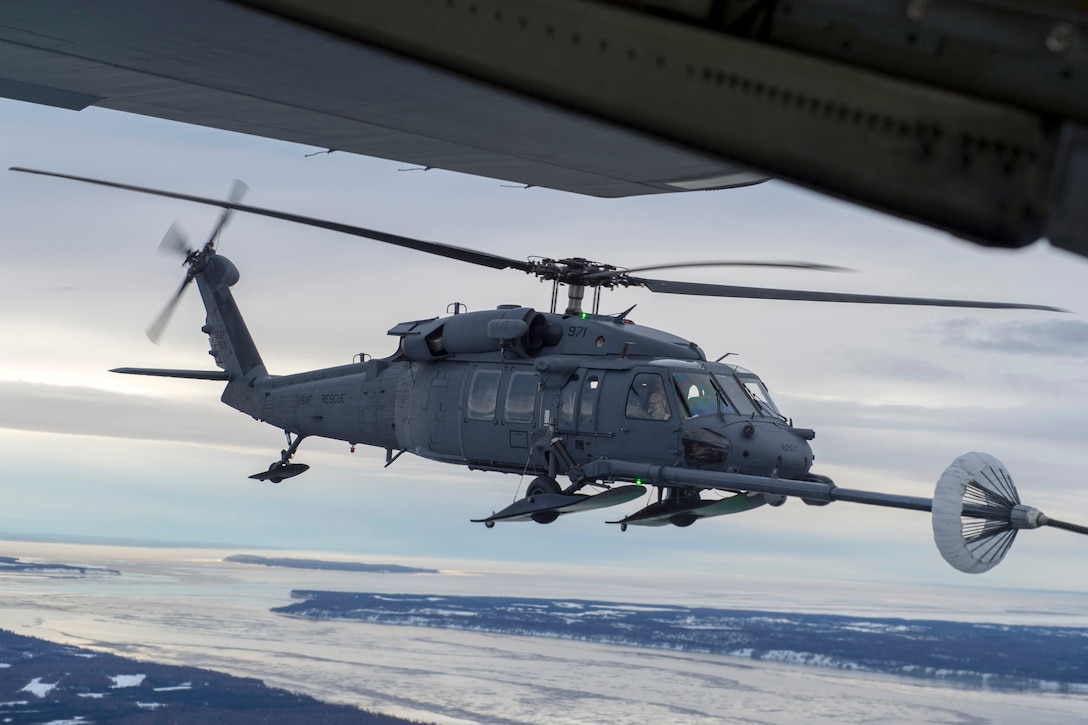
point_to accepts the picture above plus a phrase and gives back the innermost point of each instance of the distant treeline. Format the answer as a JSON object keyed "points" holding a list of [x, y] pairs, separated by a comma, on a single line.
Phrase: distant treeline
{"points": [[12, 565], [327, 565], [990, 656]]}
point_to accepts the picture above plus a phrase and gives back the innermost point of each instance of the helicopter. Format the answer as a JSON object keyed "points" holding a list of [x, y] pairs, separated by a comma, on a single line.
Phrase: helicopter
{"points": [[611, 407]]}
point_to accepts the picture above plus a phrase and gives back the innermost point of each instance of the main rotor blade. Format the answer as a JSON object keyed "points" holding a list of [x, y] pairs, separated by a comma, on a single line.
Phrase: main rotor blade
{"points": [[764, 293], [155, 330], [723, 263], [449, 251], [745, 263]]}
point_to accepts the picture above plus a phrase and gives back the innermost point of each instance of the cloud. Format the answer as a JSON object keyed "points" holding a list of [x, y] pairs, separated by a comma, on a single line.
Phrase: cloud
{"points": [[1005, 419], [78, 410], [1058, 338], [900, 367]]}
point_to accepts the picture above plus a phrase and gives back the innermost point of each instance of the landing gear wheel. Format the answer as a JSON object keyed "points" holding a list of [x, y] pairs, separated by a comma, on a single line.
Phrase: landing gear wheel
{"points": [[280, 471], [542, 485]]}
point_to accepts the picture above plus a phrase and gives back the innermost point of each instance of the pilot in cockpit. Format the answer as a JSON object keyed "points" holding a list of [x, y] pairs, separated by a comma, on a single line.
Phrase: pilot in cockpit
{"points": [[646, 399]]}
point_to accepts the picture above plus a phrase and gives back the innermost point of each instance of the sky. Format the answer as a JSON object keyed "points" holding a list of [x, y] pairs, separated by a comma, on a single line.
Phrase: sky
{"points": [[895, 394]]}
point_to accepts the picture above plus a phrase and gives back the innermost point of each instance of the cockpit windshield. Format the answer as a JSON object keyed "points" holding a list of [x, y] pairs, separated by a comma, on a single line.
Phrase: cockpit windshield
{"points": [[738, 392], [760, 394], [733, 390], [697, 393]]}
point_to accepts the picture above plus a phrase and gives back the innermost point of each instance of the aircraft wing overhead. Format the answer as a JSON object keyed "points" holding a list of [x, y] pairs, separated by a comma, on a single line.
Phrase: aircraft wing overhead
{"points": [[966, 115], [223, 65]]}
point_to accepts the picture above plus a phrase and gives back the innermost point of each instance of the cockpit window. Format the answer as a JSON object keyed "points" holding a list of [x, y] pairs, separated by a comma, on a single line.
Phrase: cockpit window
{"points": [[697, 393], [760, 394], [733, 390], [646, 399]]}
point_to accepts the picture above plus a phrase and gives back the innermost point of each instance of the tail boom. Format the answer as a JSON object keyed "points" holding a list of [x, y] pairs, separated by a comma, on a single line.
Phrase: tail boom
{"points": [[231, 345]]}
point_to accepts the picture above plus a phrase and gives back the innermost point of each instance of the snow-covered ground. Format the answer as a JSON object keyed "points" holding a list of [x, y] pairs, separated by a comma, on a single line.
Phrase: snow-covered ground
{"points": [[39, 688], [187, 607], [127, 680]]}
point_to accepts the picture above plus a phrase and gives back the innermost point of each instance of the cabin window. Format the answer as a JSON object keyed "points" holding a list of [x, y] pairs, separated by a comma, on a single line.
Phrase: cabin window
{"points": [[483, 394], [646, 399], [698, 396], [587, 408], [521, 397], [566, 403]]}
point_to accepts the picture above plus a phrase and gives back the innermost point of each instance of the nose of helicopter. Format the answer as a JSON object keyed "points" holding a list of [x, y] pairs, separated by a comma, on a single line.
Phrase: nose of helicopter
{"points": [[771, 448], [750, 446]]}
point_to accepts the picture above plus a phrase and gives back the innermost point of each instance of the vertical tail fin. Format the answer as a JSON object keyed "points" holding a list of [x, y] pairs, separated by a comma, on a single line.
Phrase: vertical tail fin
{"points": [[232, 346]]}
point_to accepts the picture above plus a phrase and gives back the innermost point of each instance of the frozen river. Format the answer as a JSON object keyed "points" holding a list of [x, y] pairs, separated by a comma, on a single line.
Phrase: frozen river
{"points": [[186, 606]]}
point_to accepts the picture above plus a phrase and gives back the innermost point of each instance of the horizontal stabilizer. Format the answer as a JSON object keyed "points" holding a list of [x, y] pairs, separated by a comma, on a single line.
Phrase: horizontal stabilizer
{"points": [[166, 373]]}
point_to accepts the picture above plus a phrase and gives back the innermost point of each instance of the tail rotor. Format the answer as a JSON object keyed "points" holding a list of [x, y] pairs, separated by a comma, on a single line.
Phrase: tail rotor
{"points": [[237, 191], [176, 242], [158, 325]]}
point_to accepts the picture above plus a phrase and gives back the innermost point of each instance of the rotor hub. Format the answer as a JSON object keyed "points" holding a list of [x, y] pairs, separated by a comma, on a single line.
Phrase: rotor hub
{"points": [[577, 273]]}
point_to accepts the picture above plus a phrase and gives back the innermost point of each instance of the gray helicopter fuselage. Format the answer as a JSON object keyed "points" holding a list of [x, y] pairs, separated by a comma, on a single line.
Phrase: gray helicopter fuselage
{"points": [[521, 391]]}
